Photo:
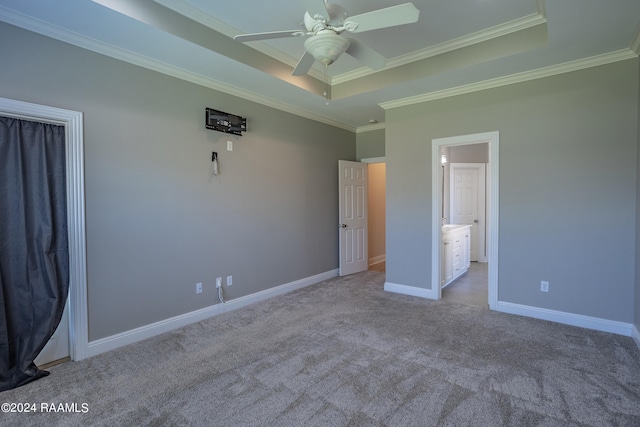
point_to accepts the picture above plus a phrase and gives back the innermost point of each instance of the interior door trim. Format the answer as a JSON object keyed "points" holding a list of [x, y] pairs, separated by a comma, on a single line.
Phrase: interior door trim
{"points": [[72, 122], [493, 139]]}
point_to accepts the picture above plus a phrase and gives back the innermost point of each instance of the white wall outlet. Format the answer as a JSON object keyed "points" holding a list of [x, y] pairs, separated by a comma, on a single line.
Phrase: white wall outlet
{"points": [[199, 288], [218, 282], [229, 145], [229, 280], [544, 286]]}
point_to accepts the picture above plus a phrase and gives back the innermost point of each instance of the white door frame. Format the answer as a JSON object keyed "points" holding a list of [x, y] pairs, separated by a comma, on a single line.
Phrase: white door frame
{"points": [[492, 138], [74, 145], [481, 220]]}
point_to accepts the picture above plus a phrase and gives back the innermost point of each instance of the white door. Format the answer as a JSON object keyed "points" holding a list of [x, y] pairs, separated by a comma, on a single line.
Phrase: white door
{"points": [[58, 345], [352, 221], [467, 184]]}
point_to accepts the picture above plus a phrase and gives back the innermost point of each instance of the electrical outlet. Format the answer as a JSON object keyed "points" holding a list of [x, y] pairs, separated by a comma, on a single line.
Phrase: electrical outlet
{"points": [[544, 286], [229, 145], [229, 280], [218, 282], [199, 288]]}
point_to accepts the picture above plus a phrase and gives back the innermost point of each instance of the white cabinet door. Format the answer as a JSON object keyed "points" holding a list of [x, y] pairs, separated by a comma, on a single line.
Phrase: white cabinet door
{"points": [[466, 249], [454, 255], [447, 262]]}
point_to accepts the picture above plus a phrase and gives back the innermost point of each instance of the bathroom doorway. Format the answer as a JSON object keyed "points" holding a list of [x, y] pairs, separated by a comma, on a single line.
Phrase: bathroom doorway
{"points": [[479, 285]]}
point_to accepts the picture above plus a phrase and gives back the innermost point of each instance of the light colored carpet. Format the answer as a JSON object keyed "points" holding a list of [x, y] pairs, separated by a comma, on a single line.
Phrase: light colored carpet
{"points": [[345, 353]]}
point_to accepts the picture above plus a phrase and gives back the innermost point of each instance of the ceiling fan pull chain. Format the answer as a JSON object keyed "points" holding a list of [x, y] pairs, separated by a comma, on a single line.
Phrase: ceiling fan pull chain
{"points": [[326, 83]]}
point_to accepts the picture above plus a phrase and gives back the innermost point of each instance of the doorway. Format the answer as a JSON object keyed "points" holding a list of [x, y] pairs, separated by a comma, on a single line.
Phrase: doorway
{"points": [[371, 185], [74, 146], [439, 208], [376, 201]]}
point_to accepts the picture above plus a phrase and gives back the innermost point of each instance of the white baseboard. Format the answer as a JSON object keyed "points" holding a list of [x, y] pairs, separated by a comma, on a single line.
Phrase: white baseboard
{"points": [[635, 334], [138, 334], [377, 259], [408, 290], [582, 321]]}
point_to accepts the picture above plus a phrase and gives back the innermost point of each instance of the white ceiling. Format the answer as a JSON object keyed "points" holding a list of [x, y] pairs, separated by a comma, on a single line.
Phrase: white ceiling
{"points": [[455, 47]]}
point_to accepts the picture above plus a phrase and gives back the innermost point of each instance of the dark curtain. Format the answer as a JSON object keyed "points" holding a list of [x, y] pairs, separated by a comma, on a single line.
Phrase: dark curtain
{"points": [[34, 254]]}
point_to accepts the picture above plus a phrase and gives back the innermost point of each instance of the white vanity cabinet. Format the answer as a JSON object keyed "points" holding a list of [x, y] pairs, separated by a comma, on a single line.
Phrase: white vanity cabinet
{"points": [[455, 256]]}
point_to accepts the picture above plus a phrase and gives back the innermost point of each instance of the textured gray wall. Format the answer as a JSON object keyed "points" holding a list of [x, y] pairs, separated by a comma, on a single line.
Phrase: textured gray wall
{"points": [[568, 147], [156, 223]]}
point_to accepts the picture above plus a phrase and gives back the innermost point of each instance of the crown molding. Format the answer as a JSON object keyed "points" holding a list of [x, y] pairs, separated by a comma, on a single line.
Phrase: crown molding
{"points": [[450, 45], [200, 16], [208, 20], [37, 26], [369, 128], [540, 73], [31, 24]]}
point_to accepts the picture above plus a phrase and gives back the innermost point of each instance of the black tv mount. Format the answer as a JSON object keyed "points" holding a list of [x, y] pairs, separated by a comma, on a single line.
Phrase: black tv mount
{"points": [[225, 122]]}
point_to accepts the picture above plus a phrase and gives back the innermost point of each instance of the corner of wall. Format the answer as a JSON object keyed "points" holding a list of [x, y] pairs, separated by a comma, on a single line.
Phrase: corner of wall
{"points": [[636, 306]]}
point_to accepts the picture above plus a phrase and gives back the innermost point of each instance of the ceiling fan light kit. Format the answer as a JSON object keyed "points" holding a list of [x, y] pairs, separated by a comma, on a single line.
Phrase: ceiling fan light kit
{"points": [[325, 22], [326, 46]]}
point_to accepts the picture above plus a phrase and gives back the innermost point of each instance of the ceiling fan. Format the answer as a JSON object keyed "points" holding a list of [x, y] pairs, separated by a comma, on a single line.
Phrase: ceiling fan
{"points": [[325, 22]]}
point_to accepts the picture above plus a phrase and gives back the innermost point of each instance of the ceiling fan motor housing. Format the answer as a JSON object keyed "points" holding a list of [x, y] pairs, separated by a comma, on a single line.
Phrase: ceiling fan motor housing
{"points": [[326, 46]]}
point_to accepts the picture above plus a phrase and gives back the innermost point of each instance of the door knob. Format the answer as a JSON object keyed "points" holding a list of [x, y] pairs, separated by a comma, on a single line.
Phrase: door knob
{"points": [[343, 225]]}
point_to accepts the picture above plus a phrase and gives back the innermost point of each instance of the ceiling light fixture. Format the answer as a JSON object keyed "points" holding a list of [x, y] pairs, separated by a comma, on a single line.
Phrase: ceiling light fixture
{"points": [[326, 46]]}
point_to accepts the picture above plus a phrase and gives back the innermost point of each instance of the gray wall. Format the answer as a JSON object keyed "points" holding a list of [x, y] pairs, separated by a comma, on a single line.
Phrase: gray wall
{"points": [[568, 147], [370, 144], [156, 223], [474, 153], [637, 277]]}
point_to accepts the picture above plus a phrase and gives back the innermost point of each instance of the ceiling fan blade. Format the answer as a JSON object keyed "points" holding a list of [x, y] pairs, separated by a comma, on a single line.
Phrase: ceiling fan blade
{"points": [[366, 55], [317, 7], [402, 14], [270, 35], [304, 65]]}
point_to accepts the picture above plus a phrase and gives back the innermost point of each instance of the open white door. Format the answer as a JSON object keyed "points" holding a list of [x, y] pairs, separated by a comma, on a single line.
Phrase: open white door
{"points": [[58, 346], [352, 184]]}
